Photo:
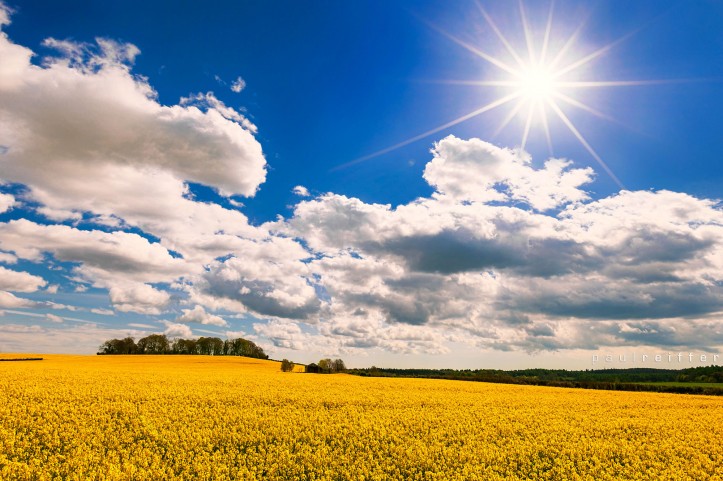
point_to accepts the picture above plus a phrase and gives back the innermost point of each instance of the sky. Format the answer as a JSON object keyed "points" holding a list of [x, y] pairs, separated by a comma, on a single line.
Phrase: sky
{"points": [[424, 183]]}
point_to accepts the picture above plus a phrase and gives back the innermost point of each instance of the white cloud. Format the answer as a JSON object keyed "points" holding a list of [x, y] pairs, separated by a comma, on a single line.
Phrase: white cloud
{"points": [[53, 318], [58, 338], [7, 258], [83, 126], [7, 202], [301, 191], [209, 101], [105, 312], [268, 278], [58, 306], [457, 268], [198, 314], [107, 258], [285, 334], [238, 85], [115, 126], [178, 330], [59, 215], [140, 325], [5, 12], [9, 301], [236, 334], [19, 281], [16, 59], [140, 298], [19, 328], [52, 289], [475, 170]]}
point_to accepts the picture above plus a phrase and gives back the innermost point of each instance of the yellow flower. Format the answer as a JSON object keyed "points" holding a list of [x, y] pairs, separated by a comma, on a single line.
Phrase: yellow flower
{"points": [[188, 418]]}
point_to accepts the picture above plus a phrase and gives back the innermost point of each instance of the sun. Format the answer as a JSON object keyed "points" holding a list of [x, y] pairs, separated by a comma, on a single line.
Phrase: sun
{"points": [[536, 83]]}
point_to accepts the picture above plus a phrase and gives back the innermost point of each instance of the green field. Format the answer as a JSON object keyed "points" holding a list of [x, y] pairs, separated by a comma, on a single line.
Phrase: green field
{"points": [[718, 385]]}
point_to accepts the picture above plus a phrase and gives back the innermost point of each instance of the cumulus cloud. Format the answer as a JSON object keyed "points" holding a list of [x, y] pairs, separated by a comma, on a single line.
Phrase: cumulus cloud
{"points": [[178, 330], [472, 262], [17, 281], [269, 279], [199, 315], [106, 258], [140, 298], [10, 301], [7, 258], [289, 335], [91, 115], [81, 125], [7, 202], [16, 58], [475, 170], [301, 191]]}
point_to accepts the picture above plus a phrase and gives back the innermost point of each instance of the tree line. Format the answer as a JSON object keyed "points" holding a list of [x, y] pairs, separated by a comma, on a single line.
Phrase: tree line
{"points": [[701, 374], [531, 376], [324, 366], [632, 379], [160, 344]]}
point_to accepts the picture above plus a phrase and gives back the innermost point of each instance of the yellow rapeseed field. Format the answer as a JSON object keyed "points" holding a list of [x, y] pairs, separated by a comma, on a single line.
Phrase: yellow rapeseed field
{"points": [[204, 418]]}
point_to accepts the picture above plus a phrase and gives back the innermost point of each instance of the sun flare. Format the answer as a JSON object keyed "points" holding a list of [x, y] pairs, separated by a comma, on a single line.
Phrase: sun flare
{"points": [[537, 82]]}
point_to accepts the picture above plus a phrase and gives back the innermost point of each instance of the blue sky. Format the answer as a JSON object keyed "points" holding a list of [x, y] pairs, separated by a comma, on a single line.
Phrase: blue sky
{"points": [[210, 170]]}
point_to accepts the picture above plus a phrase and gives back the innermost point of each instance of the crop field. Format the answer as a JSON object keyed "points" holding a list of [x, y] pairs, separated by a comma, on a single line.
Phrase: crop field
{"points": [[198, 417]]}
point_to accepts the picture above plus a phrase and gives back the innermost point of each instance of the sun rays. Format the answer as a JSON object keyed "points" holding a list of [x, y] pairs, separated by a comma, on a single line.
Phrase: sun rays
{"points": [[537, 83]]}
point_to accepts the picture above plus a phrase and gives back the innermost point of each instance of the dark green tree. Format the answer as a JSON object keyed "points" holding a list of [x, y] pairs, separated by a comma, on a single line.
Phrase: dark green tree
{"points": [[211, 346], [118, 346], [287, 366], [338, 366], [326, 365], [184, 346], [244, 347], [154, 344], [159, 344]]}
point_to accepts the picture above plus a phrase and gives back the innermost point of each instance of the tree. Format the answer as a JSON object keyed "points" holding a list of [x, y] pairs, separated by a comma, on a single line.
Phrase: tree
{"points": [[153, 344], [326, 365], [211, 346], [287, 366], [244, 347], [159, 344], [118, 346], [184, 346], [313, 368], [338, 366]]}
